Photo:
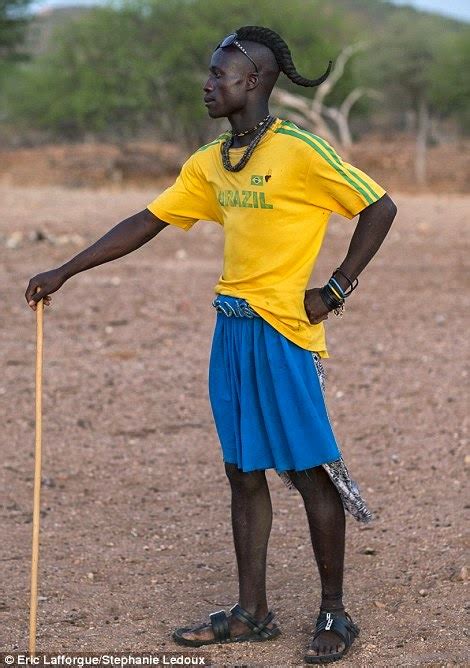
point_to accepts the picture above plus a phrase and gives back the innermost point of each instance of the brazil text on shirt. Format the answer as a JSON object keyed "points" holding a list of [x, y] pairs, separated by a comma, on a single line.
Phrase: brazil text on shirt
{"points": [[293, 181], [247, 199]]}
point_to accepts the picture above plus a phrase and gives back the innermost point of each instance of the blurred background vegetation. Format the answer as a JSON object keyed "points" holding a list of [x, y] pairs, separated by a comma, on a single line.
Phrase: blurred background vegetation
{"points": [[134, 70]]}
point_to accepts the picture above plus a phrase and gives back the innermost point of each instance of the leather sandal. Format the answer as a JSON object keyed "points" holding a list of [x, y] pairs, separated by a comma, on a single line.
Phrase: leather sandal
{"points": [[221, 629], [345, 629]]}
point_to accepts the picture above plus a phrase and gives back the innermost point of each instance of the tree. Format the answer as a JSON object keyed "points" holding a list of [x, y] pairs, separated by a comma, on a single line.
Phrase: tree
{"points": [[142, 64], [405, 57], [13, 22], [139, 65], [315, 114], [450, 83]]}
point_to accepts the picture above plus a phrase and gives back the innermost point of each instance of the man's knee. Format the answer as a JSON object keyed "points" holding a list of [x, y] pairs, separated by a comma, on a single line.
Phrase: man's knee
{"points": [[245, 482], [310, 480]]}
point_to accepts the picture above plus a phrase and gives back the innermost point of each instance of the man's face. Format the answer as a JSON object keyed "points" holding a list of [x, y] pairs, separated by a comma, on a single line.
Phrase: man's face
{"points": [[225, 91]]}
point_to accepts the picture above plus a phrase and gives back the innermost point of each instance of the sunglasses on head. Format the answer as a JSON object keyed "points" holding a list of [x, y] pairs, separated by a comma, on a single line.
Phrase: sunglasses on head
{"points": [[232, 40]]}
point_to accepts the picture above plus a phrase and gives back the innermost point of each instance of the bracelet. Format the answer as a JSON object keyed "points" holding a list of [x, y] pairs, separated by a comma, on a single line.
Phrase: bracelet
{"points": [[331, 300], [327, 299], [333, 295], [338, 287], [352, 284]]}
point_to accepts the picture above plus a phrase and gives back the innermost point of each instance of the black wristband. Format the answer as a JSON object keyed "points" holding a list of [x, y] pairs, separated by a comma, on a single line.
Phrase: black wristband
{"points": [[329, 299]]}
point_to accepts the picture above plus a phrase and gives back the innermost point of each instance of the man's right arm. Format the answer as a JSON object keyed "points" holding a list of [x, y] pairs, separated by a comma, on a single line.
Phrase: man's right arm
{"points": [[122, 239]]}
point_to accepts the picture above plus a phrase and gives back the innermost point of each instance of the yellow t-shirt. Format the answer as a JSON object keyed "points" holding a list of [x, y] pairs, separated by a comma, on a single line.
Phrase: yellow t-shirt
{"points": [[274, 213]]}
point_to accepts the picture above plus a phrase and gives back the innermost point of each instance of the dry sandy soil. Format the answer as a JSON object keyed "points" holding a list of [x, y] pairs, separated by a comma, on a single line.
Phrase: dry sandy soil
{"points": [[135, 532], [141, 164]]}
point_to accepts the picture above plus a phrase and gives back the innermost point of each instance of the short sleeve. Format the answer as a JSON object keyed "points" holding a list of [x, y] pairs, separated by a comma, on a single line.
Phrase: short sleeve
{"points": [[188, 200], [338, 186]]}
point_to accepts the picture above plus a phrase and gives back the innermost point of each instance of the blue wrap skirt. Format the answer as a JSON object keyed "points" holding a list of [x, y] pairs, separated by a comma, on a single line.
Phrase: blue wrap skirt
{"points": [[267, 399]]}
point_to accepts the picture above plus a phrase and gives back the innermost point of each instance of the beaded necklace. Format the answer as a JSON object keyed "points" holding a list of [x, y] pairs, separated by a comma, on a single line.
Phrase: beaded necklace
{"points": [[226, 146], [245, 132]]}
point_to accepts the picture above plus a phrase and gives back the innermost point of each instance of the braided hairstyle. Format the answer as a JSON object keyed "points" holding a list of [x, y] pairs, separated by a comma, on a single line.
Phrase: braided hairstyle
{"points": [[281, 52]]}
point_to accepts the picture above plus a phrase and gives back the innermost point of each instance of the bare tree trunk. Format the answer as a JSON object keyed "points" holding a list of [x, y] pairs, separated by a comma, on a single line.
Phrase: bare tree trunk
{"points": [[314, 113], [302, 112], [422, 141]]}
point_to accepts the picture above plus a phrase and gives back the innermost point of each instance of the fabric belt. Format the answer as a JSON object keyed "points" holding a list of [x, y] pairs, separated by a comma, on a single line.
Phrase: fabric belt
{"points": [[232, 306]]}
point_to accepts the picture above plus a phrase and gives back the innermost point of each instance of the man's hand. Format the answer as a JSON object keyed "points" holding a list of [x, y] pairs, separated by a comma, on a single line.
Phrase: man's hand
{"points": [[41, 285], [372, 227], [314, 306]]}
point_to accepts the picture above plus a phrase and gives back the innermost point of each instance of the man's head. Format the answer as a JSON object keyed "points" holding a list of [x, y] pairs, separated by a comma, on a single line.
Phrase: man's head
{"points": [[244, 68]]}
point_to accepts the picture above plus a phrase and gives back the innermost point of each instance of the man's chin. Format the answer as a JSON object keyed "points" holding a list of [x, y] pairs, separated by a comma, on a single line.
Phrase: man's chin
{"points": [[215, 113]]}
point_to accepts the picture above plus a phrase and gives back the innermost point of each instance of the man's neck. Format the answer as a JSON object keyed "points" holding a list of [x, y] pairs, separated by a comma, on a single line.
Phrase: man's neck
{"points": [[245, 120]]}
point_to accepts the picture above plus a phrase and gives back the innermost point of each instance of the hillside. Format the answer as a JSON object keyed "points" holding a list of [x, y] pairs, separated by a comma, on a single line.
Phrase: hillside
{"points": [[46, 22], [361, 15]]}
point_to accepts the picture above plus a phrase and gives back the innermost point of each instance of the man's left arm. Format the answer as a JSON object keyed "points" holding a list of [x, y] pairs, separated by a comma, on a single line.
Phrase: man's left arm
{"points": [[372, 227]]}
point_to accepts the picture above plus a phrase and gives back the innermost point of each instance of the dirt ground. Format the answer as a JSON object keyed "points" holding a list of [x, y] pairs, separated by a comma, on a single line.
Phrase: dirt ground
{"points": [[135, 532], [142, 164]]}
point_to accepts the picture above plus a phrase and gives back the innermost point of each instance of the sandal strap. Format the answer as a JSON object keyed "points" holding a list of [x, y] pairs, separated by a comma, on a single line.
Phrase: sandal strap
{"points": [[344, 627], [220, 625], [258, 627]]}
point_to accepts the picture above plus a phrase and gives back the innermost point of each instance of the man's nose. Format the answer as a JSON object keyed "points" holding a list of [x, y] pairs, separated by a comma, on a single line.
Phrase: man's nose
{"points": [[208, 86]]}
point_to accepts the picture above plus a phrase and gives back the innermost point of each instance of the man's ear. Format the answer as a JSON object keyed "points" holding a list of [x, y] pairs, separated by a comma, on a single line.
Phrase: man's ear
{"points": [[252, 81]]}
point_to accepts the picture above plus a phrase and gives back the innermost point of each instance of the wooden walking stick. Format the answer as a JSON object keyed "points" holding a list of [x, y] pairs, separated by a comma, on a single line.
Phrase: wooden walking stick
{"points": [[37, 480]]}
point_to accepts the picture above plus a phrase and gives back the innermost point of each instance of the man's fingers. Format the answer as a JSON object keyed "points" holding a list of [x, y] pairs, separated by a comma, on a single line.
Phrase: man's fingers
{"points": [[30, 290], [36, 297], [33, 292]]}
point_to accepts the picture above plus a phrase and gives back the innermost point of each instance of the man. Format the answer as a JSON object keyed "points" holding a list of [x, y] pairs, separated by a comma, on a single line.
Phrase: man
{"points": [[273, 187]]}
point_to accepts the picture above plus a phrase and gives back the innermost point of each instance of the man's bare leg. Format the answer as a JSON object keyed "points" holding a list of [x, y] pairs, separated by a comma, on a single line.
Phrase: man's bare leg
{"points": [[326, 520], [251, 524]]}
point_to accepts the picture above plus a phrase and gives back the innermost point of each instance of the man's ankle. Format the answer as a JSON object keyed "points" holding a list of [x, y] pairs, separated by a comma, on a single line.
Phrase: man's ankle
{"points": [[332, 603], [335, 609], [258, 611]]}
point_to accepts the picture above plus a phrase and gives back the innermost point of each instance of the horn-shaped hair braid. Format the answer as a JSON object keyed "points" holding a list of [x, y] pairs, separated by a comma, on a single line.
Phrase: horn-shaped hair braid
{"points": [[281, 52]]}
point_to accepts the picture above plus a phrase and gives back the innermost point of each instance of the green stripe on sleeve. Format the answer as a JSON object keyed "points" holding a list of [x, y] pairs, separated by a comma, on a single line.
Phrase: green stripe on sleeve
{"points": [[352, 171], [336, 166], [321, 141]]}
